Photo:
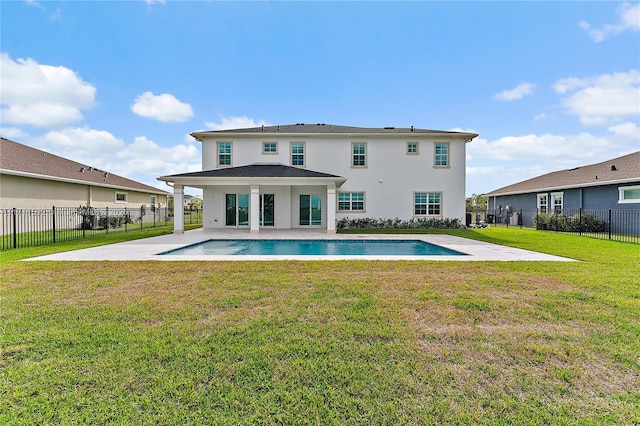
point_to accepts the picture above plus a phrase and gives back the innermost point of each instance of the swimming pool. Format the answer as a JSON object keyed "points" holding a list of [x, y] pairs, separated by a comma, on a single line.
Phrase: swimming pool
{"points": [[314, 248]]}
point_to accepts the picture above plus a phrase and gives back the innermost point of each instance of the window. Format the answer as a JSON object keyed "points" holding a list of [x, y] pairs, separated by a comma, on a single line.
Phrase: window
{"points": [[427, 203], [543, 203], [441, 155], [351, 201], [270, 147], [224, 154], [121, 197], [557, 199], [237, 210], [412, 148], [267, 209], [358, 154], [152, 200], [629, 194], [297, 154]]}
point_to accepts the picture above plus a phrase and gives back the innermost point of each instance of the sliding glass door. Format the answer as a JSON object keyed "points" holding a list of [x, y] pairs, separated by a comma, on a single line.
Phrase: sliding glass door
{"points": [[267, 210], [310, 210], [237, 210]]}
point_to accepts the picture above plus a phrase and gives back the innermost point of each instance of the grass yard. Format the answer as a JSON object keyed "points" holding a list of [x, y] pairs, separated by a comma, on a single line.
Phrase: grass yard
{"points": [[348, 342]]}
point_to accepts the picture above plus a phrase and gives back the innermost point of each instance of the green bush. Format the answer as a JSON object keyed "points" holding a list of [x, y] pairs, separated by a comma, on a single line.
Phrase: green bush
{"points": [[564, 223], [396, 223]]}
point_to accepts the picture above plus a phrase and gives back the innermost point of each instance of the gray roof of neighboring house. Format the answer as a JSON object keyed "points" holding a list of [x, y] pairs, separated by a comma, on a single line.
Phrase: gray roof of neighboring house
{"points": [[616, 170], [322, 128], [256, 171], [19, 159]]}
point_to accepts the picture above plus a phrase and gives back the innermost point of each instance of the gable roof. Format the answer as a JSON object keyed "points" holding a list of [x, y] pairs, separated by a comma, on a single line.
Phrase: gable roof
{"points": [[22, 160], [617, 170], [322, 128]]}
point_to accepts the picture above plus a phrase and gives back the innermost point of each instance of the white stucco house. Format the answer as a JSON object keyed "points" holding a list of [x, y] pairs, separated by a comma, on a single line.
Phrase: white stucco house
{"points": [[311, 175]]}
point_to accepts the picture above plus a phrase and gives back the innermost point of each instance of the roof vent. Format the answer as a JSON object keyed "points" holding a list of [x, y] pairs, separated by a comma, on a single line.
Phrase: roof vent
{"points": [[412, 128], [81, 169], [263, 127], [613, 168], [389, 128]]}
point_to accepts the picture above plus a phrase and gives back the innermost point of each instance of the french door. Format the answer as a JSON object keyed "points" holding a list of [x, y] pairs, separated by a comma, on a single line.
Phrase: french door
{"points": [[310, 210]]}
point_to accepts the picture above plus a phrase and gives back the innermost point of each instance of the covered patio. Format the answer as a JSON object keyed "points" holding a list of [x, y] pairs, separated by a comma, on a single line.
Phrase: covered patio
{"points": [[260, 196]]}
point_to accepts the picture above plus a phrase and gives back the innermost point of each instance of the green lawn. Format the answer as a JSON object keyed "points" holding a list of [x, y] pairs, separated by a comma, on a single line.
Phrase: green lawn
{"points": [[348, 342]]}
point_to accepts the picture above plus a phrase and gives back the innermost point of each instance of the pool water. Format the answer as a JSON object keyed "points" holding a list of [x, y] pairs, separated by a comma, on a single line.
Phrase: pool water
{"points": [[315, 248]]}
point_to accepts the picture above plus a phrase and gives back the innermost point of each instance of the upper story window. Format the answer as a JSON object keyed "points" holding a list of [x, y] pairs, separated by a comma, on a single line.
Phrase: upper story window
{"points": [[543, 203], [629, 194], [297, 154], [270, 147], [351, 201], [358, 154], [557, 198], [412, 148], [224, 154], [427, 203], [441, 155], [121, 197]]}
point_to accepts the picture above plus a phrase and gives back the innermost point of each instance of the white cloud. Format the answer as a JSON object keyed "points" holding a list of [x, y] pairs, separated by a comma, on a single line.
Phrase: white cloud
{"points": [[164, 107], [13, 133], [540, 117], [42, 95], [152, 2], [227, 123], [599, 99], [519, 92], [629, 20], [141, 160], [627, 129]]}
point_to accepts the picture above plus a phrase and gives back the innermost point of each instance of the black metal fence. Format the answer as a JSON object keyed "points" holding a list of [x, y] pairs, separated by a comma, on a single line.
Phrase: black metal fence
{"points": [[617, 225], [34, 227]]}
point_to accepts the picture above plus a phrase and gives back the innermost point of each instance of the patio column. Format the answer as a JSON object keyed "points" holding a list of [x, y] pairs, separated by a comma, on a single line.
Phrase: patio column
{"points": [[331, 209], [254, 209], [178, 209]]}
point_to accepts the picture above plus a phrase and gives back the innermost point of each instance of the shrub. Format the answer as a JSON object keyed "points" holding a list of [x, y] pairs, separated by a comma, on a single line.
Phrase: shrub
{"points": [[564, 223], [396, 223]]}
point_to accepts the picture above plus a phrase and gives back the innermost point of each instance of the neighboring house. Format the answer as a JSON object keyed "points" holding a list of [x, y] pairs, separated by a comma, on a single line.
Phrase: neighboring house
{"points": [[311, 175], [35, 179], [612, 184]]}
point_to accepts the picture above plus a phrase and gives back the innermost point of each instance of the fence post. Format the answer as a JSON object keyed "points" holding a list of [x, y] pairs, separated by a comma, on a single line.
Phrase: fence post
{"points": [[609, 223], [53, 209], [106, 224], [15, 228], [580, 221]]}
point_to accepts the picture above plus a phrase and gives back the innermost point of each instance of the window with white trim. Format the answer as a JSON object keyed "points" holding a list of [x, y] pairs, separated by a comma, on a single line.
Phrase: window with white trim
{"points": [[224, 154], [441, 155], [412, 148], [427, 203], [359, 154], [152, 200], [121, 197], [297, 154], [269, 147], [557, 198], [543, 203], [629, 194], [350, 201]]}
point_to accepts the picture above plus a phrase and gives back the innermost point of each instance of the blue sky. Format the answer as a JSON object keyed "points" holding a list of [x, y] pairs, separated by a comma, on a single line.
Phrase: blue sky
{"points": [[120, 85]]}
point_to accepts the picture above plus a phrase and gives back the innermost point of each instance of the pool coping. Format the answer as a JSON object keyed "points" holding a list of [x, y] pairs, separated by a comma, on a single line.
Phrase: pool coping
{"points": [[149, 248]]}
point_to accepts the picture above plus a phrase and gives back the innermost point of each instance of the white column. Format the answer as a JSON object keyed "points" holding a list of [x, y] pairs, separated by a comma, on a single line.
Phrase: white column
{"points": [[254, 209], [178, 209], [331, 209]]}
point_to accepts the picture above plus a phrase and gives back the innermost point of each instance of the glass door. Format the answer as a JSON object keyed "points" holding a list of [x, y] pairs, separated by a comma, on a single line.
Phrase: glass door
{"points": [[237, 210], [310, 210], [267, 209]]}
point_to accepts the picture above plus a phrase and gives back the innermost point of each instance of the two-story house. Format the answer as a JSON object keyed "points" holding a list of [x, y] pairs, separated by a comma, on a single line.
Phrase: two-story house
{"points": [[311, 175]]}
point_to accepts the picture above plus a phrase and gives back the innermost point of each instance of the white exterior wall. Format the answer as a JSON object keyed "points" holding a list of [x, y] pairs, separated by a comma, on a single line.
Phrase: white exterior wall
{"points": [[389, 180]]}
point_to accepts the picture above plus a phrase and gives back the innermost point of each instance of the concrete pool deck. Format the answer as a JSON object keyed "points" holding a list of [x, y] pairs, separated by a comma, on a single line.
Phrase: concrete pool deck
{"points": [[149, 248]]}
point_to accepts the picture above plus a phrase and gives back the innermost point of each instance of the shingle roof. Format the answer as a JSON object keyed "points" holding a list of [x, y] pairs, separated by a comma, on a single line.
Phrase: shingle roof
{"points": [[25, 160], [322, 128], [621, 169], [256, 171]]}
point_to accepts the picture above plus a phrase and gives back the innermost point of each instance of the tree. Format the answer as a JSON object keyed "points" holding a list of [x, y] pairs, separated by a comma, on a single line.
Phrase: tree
{"points": [[476, 203]]}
